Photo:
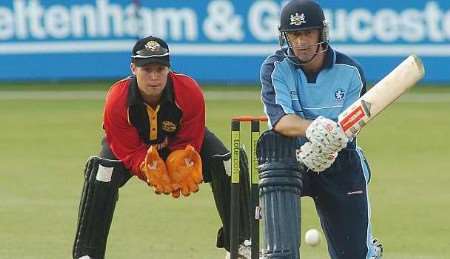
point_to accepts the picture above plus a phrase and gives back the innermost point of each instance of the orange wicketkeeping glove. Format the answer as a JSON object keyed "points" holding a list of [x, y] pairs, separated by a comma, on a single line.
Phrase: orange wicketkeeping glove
{"points": [[155, 171], [185, 170]]}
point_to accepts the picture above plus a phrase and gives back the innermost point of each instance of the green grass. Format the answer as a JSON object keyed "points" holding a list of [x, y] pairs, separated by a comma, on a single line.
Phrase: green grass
{"points": [[45, 142]]}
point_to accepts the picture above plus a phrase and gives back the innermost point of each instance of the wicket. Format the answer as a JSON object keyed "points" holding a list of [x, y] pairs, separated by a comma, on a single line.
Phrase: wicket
{"points": [[235, 180]]}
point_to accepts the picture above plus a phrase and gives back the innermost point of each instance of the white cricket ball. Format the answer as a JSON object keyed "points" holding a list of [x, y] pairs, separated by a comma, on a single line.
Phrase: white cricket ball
{"points": [[312, 237]]}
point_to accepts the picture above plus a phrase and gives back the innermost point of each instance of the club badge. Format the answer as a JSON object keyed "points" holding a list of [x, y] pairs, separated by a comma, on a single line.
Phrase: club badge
{"points": [[152, 45], [168, 126], [297, 19], [339, 95]]}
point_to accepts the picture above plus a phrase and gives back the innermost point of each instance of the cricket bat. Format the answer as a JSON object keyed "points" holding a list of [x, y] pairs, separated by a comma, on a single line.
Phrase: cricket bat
{"points": [[381, 95]]}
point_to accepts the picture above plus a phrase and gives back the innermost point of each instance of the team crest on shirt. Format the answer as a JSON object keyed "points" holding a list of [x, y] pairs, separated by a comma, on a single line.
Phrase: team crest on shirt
{"points": [[297, 19], [168, 126], [339, 95]]}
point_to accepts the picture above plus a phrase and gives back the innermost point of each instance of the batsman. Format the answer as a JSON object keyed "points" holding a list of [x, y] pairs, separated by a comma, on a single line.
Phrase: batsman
{"points": [[154, 125], [306, 84]]}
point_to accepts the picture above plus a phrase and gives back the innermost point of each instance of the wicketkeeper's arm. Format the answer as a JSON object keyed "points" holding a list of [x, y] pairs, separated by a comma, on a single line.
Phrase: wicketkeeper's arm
{"points": [[122, 137], [192, 127]]}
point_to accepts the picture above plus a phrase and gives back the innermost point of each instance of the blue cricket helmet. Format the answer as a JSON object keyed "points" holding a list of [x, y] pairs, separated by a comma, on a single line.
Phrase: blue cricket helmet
{"points": [[300, 15]]}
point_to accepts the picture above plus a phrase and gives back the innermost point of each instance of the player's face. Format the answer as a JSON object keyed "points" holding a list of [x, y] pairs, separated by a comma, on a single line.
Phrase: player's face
{"points": [[151, 78], [304, 43]]}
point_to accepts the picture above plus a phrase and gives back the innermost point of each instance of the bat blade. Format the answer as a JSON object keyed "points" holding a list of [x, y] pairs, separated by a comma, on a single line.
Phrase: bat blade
{"points": [[381, 95]]}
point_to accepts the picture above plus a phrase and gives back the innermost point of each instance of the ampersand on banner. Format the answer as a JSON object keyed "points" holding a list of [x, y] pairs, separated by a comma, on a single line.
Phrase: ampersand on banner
{"points": [[222, 24]]}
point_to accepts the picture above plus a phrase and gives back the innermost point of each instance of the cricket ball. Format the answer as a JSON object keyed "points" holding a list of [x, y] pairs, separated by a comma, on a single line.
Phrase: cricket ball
{"points": [[312, 237]]}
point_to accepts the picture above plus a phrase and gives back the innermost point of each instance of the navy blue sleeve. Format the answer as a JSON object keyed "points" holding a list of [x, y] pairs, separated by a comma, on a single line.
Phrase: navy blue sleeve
{"points": [[363, 79], [273, 110], [358, 85], [344, 59]]}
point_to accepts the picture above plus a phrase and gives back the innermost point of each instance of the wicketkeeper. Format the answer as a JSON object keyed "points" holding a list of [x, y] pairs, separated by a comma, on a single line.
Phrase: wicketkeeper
{"points": [[154, 124], [305, 85]]}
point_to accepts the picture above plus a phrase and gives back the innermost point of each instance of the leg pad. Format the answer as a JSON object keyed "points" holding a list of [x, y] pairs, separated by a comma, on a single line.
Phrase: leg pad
{"points": [[103, 177], [279, 191]]}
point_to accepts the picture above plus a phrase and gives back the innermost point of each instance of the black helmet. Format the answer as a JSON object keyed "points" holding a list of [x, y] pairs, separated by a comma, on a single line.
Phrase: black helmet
{"points": [[299, 15]]}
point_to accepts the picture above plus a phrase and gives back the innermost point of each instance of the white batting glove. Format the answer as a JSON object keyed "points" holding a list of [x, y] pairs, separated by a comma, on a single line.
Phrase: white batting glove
{"points": [[313, 156], [327, 133]]}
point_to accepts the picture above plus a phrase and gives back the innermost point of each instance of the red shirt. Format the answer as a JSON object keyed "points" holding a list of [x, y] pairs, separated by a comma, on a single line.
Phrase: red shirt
{"points": [[131, 126]]}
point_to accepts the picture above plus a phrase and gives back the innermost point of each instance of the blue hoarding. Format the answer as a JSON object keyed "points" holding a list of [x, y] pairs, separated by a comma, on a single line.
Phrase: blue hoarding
{"points": [[214, 41]]}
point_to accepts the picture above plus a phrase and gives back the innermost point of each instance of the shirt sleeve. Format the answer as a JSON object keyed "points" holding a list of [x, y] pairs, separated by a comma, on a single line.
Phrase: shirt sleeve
{"points": [[274, 93], [190, 100], [357, 88], [122, 137]]}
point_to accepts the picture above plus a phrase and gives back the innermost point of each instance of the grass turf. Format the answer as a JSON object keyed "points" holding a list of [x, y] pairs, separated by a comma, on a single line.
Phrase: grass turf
{"points": [[44, 144]]}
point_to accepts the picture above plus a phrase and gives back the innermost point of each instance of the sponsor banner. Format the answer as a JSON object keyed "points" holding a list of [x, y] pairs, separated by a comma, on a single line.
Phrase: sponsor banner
{"points": [[214, 41]]}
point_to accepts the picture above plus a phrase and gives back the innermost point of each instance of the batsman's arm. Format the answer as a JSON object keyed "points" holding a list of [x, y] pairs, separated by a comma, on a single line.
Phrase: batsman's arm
{"points": [[278, 103], [292, 125]]}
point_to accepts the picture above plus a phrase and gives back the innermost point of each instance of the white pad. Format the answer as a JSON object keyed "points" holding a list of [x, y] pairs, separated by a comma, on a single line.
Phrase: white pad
{"points": [[104, 174]]}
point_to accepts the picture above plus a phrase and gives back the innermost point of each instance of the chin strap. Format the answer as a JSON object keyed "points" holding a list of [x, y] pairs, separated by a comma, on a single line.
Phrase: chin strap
{"points": [[290, 52], [294, 59]]}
